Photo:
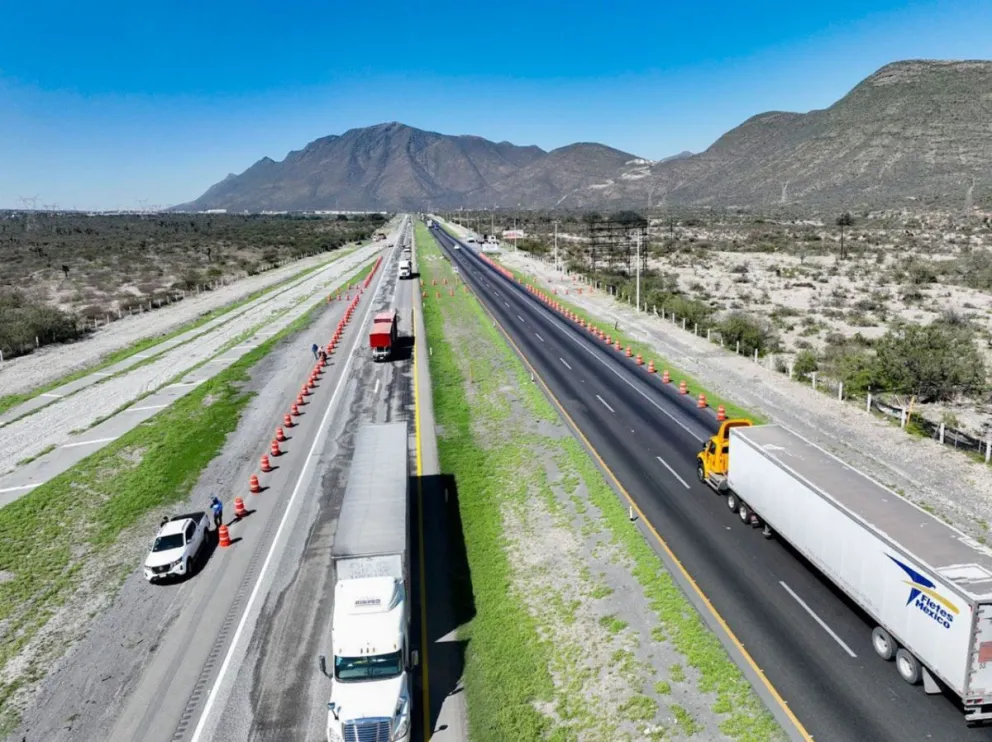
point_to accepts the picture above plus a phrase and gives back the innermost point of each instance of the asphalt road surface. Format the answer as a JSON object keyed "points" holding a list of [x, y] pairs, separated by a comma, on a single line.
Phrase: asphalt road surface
{"points": [[811, 643]]}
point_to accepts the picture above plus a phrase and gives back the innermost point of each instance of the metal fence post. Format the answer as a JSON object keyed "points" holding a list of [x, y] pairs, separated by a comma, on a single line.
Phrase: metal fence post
{"points": [[868, 406], [814, 380], [840, 391], [941, 433]]}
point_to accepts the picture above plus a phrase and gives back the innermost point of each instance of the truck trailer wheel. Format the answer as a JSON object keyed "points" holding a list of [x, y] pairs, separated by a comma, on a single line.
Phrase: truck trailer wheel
{"points": [[701, 473], [882, 642], [744, 513], [908, 666], [732, 501]]}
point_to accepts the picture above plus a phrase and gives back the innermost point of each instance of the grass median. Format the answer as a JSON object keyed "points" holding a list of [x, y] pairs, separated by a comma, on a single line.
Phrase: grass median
{"points": [[8, 401], [51, 538], [548, 656]]}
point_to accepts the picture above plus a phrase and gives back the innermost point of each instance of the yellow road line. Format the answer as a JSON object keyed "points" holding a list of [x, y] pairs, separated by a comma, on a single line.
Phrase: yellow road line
{"points": [[664, 545], [425, 685]]}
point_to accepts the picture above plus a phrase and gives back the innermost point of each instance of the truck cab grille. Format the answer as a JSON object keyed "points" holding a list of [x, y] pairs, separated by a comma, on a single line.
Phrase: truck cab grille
{"points": [[366, 730]]}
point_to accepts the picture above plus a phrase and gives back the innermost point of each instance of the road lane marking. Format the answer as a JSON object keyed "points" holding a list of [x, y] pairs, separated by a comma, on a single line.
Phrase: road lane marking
{"points": [[376, 390], [520, 318], [787, 712], [146, 407], [566, 363], [539, 337], [50, 394], [605, 404], [321, 434], [674, 473], [87, 443], [506, 305], [425, 679], [819, 620], [18, 488], [102, 373]]}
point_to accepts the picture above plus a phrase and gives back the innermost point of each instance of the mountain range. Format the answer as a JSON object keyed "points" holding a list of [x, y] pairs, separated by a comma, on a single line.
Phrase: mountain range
{"points": [[914, 133]]}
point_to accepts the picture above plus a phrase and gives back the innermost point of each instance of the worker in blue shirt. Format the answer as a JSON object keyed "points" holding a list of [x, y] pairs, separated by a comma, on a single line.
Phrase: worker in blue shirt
{"points": [[314, 349], [218, 509]]}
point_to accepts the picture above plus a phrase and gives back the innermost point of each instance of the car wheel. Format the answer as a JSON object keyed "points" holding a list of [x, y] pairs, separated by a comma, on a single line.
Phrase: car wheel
{"points": [[188, 567], [701, 473]]}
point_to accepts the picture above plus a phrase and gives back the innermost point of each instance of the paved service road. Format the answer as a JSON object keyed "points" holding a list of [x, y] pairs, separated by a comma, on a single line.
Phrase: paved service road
{"points": [[648, 438]]}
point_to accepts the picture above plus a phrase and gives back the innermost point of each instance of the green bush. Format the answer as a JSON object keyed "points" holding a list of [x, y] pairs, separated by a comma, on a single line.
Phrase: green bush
{"points": [[22, 320], [753, 334], [805, 363]]}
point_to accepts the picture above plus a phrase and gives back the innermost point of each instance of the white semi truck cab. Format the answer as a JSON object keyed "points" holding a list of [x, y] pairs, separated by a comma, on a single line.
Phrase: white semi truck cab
{"points": [[405, 268], [370, 680], [372, 660]]}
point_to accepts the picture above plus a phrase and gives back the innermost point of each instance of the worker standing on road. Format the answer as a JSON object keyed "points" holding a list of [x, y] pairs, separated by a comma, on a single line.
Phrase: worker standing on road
{"points": [[314, 349], [218, 509], [323, 355]]}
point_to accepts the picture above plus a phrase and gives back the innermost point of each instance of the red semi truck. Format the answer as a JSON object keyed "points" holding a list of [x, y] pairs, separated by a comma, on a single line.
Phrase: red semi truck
{"points": [[382, 339]]}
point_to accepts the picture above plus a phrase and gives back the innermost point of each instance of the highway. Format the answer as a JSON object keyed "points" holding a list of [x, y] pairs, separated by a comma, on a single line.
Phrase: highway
{"points": [[823, 680], [231, 654]]}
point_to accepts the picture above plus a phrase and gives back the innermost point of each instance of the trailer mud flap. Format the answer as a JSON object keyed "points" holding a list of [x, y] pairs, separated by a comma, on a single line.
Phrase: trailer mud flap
{"points": [[930, 686]]}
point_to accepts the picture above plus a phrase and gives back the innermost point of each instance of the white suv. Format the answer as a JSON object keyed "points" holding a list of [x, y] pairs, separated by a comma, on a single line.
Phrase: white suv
{"points": [[176, 546]]}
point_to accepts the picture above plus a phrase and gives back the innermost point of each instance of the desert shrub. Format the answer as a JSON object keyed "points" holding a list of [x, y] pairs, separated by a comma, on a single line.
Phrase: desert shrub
{"points": [[805, 363], [934, 362], [752, 333], [22, 320]]}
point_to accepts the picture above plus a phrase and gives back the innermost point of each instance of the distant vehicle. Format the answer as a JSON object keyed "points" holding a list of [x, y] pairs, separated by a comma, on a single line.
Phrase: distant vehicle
{"points": [[471, 239], [371, 694], [176, 546], [925, 585], [406, 269], [383, 337]]}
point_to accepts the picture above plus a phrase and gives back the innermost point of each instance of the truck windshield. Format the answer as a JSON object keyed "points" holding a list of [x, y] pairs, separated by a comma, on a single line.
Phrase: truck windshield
{"points": [[172, 541], [348, 669]]}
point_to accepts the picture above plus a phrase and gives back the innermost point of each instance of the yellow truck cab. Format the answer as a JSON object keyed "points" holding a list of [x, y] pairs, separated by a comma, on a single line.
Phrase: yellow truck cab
{"points": [[712, 461]]}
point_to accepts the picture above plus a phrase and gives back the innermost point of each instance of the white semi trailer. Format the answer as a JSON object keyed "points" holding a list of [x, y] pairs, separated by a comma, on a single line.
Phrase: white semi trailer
{"points": [[926, 585], [370, 632]]}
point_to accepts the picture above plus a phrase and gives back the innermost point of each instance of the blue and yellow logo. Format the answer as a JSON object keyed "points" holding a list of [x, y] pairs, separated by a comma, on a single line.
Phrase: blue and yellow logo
{"points": [[923, 595]]}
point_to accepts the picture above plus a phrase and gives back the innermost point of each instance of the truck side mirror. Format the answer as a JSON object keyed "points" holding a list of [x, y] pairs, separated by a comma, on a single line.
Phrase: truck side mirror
{"points": [[322, 661], [333, 708]]}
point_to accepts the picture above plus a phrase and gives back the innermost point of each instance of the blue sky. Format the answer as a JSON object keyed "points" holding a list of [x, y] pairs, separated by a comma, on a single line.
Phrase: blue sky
{"points": [[117, 103]]}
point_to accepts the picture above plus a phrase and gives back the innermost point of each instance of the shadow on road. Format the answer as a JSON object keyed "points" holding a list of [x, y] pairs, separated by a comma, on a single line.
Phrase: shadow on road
{"points": [[450, 598]]}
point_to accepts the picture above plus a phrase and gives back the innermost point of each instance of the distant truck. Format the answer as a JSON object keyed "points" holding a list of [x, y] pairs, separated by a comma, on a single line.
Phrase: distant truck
{"points": [[370, 631], [926, 585], [406, 268], [384, 333]]}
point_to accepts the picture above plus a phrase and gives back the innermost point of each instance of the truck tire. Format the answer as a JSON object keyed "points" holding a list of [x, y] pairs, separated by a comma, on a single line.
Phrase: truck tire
{"points": [[883, 643], [744, 513], [701, 473], [732, 501], [908, 666]]}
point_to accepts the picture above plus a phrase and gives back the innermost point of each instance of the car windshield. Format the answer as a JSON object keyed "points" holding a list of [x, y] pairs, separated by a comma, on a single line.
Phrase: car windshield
{"points": [[369, 667], [172, 541]]}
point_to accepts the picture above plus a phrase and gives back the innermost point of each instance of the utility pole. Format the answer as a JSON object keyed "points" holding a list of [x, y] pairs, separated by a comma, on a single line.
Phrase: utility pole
{"points": [[638, 271], [556, 245]]}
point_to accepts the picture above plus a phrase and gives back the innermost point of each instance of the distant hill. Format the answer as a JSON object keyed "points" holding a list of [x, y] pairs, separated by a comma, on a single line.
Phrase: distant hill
{"points": [[915, 133]]}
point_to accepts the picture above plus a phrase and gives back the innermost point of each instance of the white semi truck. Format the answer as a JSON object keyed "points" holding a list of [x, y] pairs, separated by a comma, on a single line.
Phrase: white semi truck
{"points": [[926, 585], [370, 632]]}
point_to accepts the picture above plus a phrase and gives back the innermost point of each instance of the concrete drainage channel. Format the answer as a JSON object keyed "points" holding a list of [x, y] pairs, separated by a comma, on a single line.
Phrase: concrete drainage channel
{"points": [[59, 459]]}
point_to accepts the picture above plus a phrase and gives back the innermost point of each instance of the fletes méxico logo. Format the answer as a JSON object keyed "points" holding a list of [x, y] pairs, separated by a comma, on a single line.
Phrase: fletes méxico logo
{"points": [[923, 595]]}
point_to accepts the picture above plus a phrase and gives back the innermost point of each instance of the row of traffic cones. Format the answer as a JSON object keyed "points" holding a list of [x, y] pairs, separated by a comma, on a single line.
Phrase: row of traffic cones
{"points": [[265, 463]]}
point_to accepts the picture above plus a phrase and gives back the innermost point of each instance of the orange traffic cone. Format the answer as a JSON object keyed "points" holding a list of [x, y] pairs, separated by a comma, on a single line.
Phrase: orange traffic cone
{"points": [[223, 536], [287, 421], [639, 360], [665, 377], [239, 508], [721, 413], [274, 449], [295, 410], [628, 353], [253, 485], [702, 401], [264, 464], [683, 387], [617, 346], [280, 435], [650, 367]]}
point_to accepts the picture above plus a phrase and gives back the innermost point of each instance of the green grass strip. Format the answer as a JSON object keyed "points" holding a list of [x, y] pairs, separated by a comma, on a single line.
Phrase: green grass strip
{"points": [[50, 533], [744, 716], [506, 665], [12, 400]]}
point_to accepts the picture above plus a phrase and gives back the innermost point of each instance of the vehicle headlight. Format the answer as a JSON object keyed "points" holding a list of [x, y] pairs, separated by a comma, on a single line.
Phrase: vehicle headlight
{"points": [[401, 720], [176, 563]]}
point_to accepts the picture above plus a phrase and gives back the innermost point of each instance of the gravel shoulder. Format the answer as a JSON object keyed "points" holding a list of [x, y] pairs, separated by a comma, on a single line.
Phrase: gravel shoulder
{"points": [[919, 469], [54, 424], [45, 365]]}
